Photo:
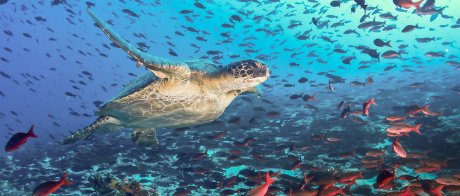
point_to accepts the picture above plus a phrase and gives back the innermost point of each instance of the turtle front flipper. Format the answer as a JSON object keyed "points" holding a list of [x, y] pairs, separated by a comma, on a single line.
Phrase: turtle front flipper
{"points": [[145, 136], [103, 123], [163, 68]]}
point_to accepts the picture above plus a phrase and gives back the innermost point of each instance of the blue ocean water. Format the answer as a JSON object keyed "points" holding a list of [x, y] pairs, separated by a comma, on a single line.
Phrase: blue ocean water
{"points": [[57, 68]]}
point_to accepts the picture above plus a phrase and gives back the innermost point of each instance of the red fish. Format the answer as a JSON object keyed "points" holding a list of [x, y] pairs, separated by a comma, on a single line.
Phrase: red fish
{"points": [[384, 178], [425, 110], [426, 169], [403, 128], [330, 190], [367, 105], [428, 187], [350, 177], [408, 3], [395, 118], [199, 156], [398, 148], [296, 164], [46, 188], [19, 139], [262, 189], [219, 135]]}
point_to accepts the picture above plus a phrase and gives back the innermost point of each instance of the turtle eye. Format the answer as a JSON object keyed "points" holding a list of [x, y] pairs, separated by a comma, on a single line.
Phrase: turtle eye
{"points": [[247, 68]]}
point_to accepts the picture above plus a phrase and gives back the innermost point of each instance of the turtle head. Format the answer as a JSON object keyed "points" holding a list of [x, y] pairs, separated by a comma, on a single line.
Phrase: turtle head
{"points": [[248, 73]]}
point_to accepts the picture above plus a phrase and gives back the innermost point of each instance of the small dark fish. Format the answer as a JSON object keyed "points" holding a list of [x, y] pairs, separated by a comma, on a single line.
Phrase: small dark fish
{"points": [[3, 2], [234, 120], [335, 3], [295, 96], [236, 18], [5, 75], [307, 97], [409, 28], [381, 43], [302, 37], [364, 17], [70, 94], [40, 19], [361, 3], [424, 40], [357, 83], [388, 68], [345, 112], [199, 5], [98, 103], [172, 53], [186, 11], [303, 80], [341, 105], [131, 13], [312, 107]]}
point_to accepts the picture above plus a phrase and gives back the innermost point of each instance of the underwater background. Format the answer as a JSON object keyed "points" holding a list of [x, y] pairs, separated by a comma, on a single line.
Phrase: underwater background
{"points": [[306, 128]]}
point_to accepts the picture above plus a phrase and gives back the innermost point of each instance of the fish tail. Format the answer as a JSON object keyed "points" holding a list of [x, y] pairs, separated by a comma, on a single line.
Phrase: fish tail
{"points": [[64, 180], [417, 128], [31, 132], [372, 101], [417, 4], [268, 180], [437, 190], [407, 192], [426, 109]]}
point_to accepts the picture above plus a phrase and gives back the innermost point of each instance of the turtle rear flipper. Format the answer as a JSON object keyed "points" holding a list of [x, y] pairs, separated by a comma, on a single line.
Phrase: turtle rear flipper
{"points": [[163, 68], [145, 136], [103, 123]]}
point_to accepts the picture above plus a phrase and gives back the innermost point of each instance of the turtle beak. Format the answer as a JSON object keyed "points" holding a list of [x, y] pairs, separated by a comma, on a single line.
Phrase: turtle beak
{"points": [[267, 73], [262, 71]]}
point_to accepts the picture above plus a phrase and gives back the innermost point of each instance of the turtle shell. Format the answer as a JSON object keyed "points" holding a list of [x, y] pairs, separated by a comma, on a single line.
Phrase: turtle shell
{"points": [[195, 65], [202, 66], [135, 85]]}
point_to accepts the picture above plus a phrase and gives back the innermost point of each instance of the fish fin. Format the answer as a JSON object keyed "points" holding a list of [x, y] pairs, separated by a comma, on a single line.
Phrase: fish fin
{"points": [[407, 189], [163, 68], [417, 4], [372, 101], [417, 128], [433, 17], [64, 180], [268, 180], [31, 133], [145, 136], [426, 109], [100, 124]]}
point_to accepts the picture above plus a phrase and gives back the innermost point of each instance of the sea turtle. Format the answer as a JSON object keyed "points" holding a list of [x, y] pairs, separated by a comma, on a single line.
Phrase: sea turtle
{"points": [[172, 94]]}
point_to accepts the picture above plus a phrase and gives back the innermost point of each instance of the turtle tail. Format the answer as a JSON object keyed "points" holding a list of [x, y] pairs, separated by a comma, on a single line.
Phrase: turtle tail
{"points": [[100, 124]]}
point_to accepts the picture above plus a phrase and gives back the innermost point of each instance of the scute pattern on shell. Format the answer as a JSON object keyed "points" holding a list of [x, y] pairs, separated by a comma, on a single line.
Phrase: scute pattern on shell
{"points": [[135, 85], [203, 66]]}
